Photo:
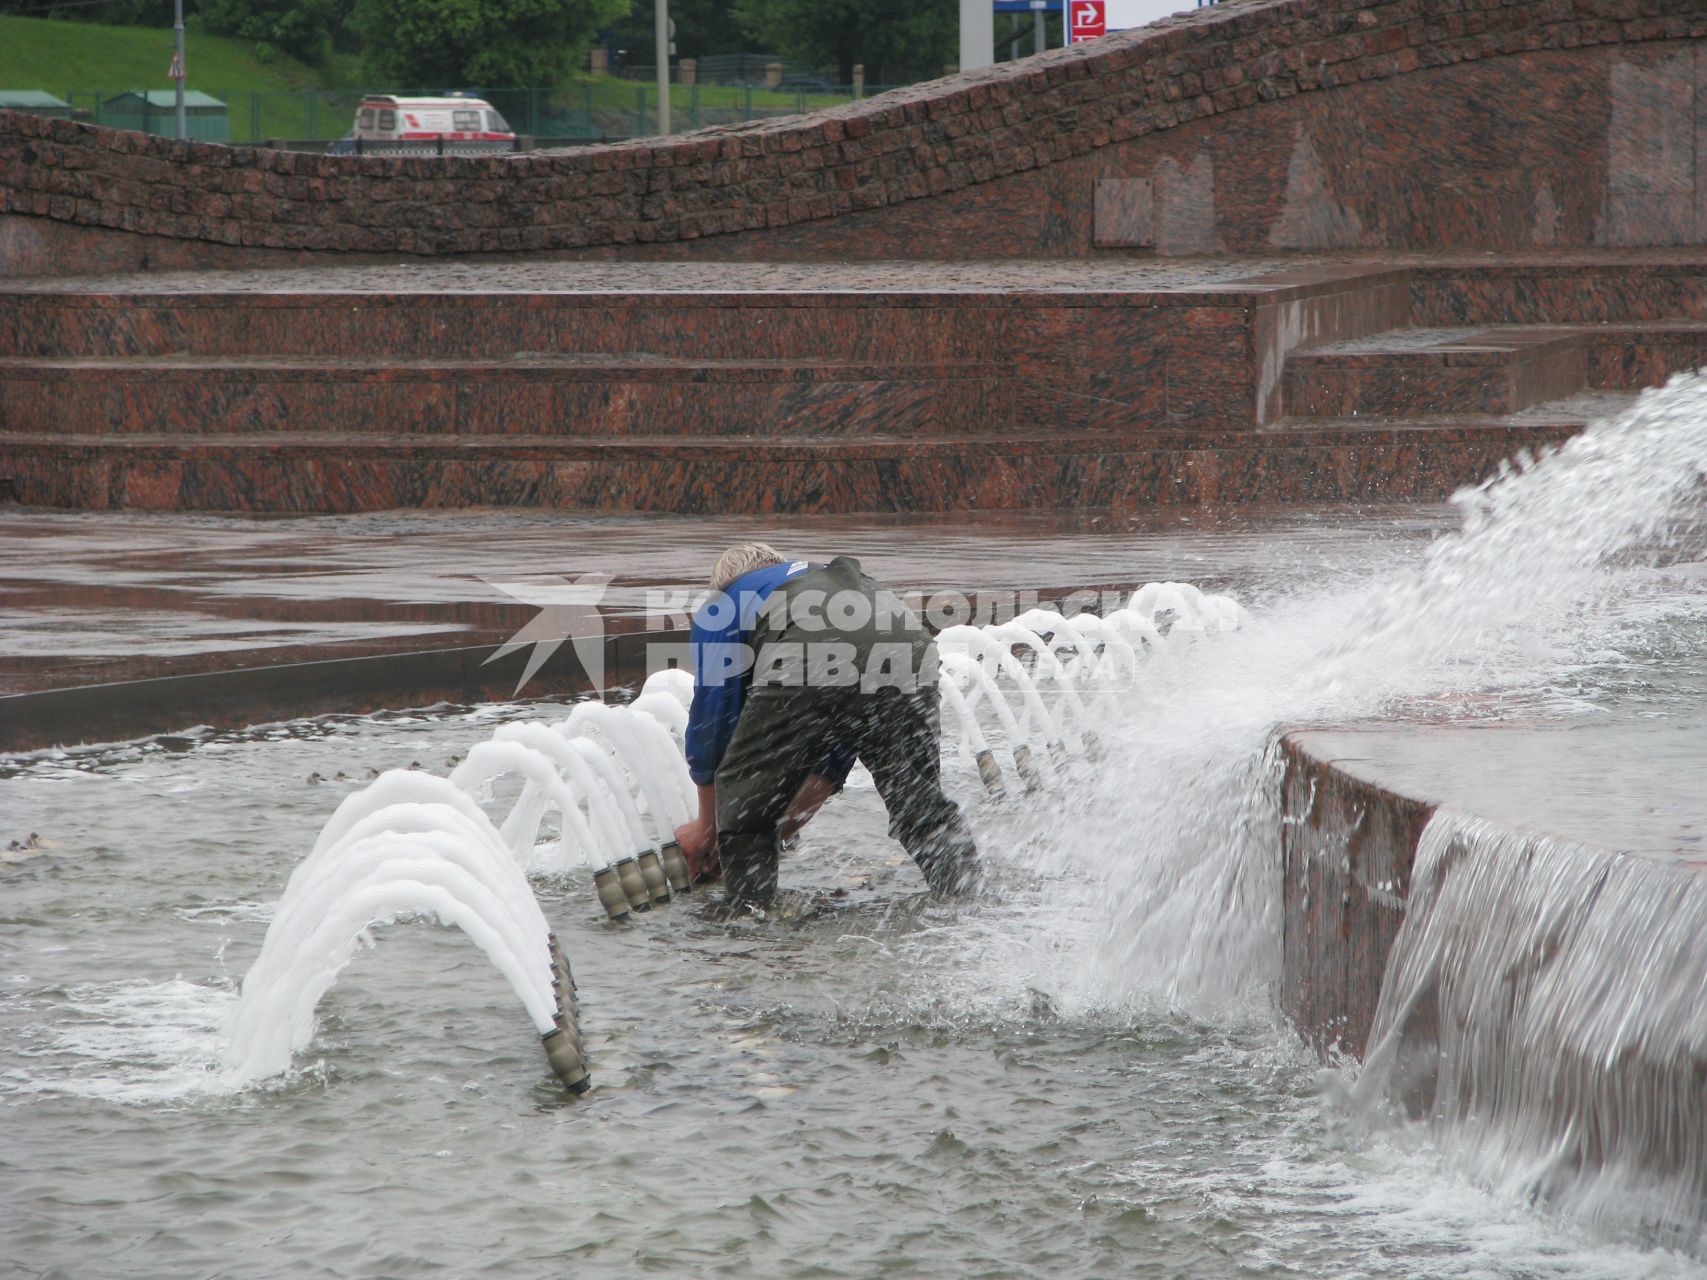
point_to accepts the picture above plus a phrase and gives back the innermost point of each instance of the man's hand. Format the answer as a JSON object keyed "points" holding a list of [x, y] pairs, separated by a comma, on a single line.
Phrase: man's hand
{"points": [[698, 840]]}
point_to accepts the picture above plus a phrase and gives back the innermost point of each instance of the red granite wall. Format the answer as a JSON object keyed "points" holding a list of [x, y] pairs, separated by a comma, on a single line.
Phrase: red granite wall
{"points": [[1256, 124], [1346, 851]]}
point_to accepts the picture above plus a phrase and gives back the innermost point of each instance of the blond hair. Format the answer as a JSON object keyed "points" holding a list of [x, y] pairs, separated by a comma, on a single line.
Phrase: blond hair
{"points": [[742, 558]]}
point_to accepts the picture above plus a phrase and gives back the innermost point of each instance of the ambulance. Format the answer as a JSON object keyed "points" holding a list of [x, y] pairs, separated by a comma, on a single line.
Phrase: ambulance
{"points": [[470, 123]]}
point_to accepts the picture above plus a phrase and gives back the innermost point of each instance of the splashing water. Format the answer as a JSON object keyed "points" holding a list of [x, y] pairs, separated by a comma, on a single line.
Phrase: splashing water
{"points": [[1545, 1006], [413, 844], [1177, 830], [382, 857], [1163, 889], [1151, 879]]}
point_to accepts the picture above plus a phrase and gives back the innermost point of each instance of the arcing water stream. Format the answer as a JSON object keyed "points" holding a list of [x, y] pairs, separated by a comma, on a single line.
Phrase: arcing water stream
{"points": [[1082, 1074]]}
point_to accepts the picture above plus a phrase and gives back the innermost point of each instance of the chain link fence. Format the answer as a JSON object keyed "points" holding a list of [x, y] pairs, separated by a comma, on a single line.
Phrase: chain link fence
{"points": [[601, 110]]}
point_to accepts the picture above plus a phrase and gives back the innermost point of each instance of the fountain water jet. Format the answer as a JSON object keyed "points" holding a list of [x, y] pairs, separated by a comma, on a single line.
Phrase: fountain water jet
{"points": [[1565, 983], [1081, 661], [488, 761], [1545, 1008], [375, 875]]}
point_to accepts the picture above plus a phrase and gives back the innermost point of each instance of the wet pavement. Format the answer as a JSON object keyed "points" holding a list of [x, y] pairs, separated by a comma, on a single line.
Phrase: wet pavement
{"points": [[1629, 782], [94, 598], [624, 278], [1220, 272]]}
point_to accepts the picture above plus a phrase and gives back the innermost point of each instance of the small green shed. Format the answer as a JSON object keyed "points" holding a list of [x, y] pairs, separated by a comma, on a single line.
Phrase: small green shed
{"points": [[155, 111], [35, 102]]}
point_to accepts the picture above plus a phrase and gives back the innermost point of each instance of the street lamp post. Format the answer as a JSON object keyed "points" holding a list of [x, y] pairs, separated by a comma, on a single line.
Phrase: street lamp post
{"points": [[178, 64], [661, 28]]}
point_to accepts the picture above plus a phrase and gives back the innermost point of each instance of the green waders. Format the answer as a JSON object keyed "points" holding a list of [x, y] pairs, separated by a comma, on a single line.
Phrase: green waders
{"points": [[841, 667]]}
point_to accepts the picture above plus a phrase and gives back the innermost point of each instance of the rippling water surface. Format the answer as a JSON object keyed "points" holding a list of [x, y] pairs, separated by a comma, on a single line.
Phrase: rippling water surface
{"points": [[1080, 1074], [886, 1086]]}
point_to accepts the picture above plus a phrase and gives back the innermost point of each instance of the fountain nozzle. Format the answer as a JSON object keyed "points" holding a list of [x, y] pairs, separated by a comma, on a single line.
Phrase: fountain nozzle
{"points": [[652, 872], [633, 884], [567, 1064], [608, 882], [1027, 767], [676, 868]]}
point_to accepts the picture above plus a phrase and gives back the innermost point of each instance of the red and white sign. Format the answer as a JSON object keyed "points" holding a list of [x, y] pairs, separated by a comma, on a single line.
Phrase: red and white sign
{"points": [[1086, 20], [176, 70]]}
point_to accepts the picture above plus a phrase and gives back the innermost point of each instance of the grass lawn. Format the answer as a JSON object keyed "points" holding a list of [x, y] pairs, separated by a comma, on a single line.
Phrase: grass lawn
{"points": [[281, 98], [86, 64], [36, 53]]}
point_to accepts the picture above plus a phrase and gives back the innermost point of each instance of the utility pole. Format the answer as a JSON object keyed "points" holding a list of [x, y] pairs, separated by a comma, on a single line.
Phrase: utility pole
{"points": [[178, 63], [977, 34], [661, 27]]}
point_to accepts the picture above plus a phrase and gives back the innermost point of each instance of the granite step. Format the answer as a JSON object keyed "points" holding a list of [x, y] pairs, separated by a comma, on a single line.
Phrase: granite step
{"points": [[526, 394], [1412, 371], [1485, 369], [1565, 417], [900, 327], [1621, 287], [289, 473], [1634, 356]]}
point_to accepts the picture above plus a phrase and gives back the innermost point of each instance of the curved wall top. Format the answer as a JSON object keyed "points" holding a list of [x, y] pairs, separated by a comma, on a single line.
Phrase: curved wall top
{"points": [[1255, 125]]}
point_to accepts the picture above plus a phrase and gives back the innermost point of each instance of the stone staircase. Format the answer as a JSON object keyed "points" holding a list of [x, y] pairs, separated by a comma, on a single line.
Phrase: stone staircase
{"points": [[922, 390], [1493, 371]]}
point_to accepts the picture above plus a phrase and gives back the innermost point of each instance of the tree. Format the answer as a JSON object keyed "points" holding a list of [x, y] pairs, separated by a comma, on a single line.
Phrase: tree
{"points": [[702, 27], [897, 40], [114, 13], [445, 44], [301, 28]]}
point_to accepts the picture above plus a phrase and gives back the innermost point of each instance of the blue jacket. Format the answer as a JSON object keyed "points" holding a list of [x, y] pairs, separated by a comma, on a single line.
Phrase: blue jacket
{"points": [[721, 670]]}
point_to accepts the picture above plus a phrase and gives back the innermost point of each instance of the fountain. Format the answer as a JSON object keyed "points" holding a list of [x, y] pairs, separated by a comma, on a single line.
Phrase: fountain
{"points": [[413, 844], [1082, 662], [1546, 1007], [1540, 1009], [1537, 1038]]}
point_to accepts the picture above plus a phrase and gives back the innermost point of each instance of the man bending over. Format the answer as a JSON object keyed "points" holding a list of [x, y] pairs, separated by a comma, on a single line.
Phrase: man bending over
{"points": [[799, 670]]}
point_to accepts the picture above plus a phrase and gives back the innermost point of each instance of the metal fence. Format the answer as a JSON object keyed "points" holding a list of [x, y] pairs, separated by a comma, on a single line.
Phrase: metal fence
{"points": [[723, 68], [601, 110]]}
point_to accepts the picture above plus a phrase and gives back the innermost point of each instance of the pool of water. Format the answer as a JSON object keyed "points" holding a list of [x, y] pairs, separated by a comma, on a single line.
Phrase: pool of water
{"points": [[877, 1084], [1080, 1073]]}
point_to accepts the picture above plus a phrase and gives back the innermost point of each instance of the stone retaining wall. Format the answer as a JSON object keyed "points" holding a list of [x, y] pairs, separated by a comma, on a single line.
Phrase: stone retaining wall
{"points": [[1346, 848], [1256, 124]]}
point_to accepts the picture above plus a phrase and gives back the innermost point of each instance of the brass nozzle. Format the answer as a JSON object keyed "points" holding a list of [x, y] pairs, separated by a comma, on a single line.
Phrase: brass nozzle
{"points": [[633, 885], [991, 773], [611, 895], [652, 872], [1027, 767], [676, 868], [566, 1023], [567, 1064], [563, 983], [559, 959]]}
